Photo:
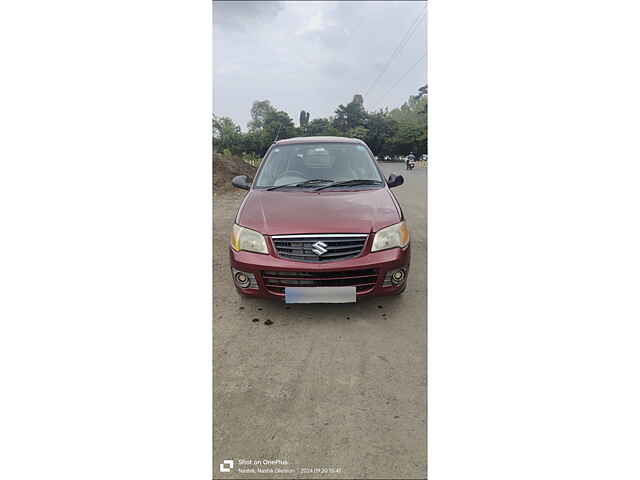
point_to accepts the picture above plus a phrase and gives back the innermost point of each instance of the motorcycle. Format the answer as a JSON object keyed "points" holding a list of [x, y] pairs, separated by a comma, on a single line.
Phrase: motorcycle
{"points": [[411, 163]]}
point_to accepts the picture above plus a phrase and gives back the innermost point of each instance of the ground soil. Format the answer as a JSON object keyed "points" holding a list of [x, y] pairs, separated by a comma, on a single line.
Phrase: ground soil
{"points": [[336, 386], [225, 167]]}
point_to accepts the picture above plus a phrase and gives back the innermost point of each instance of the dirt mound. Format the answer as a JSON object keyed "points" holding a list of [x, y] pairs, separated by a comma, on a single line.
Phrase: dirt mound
{"points": [[225, 167]]}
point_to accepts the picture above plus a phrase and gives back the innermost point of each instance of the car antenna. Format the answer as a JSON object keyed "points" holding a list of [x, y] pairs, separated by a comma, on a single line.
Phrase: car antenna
{"points": [[277, 134]]}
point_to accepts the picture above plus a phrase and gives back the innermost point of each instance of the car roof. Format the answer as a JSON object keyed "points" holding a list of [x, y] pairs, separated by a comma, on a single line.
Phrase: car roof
{"points": [[289, 141]]}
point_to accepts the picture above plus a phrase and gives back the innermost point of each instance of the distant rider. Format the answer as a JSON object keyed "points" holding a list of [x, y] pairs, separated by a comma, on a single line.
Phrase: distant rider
{"points": [[410, 158]]}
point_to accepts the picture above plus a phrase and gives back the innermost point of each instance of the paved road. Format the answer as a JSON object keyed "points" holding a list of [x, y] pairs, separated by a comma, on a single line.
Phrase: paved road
{"points": [[322, 386]]}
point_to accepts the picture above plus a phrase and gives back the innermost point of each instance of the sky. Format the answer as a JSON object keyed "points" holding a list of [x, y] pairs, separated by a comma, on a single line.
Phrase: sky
{"points": [[315, 55]]}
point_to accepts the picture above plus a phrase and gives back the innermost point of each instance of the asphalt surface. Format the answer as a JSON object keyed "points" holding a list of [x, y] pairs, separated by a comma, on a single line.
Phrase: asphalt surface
{"points": [[340, 388]]}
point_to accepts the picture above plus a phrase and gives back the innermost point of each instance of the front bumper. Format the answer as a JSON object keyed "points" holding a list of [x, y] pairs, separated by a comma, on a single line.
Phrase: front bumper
{"points": [[367, 271]]}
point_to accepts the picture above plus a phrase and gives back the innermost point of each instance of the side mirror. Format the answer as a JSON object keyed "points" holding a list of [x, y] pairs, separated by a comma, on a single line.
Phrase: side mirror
{"points": [[241, 181], [395, 180]]}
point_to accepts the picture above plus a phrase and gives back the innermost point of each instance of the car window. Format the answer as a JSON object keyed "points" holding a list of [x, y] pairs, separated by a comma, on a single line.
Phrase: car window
{"points": [[332, 161]]}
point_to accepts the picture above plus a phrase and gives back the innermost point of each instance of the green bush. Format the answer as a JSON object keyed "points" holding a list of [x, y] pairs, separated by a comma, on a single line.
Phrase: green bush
{"points": [[250, 158]]}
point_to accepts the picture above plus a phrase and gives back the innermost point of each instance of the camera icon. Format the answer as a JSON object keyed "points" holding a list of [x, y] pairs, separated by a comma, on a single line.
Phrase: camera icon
{"points": [[226, 466]]}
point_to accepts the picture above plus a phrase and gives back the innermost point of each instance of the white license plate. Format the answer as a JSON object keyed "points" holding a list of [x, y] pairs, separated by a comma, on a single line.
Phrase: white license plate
{"points": [[320, 294]]}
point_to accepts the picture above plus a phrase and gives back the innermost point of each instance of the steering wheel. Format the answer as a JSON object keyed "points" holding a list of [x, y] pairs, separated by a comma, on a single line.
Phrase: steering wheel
{"points": [[289, 173]]}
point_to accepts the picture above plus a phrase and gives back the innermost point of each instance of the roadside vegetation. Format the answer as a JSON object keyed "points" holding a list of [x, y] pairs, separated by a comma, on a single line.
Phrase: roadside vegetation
{"points": [[226, 166], [395, 132]]}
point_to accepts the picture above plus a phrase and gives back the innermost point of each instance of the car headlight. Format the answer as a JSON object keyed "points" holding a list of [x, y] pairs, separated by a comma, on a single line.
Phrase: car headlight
{"points": [[246, 239], [390, 237]]}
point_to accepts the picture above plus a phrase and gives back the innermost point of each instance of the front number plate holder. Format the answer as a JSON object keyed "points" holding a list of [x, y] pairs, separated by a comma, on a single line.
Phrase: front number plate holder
{"points": [[320, 294]]}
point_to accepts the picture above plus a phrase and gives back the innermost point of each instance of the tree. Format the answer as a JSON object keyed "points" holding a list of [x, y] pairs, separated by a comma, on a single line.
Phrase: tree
{"points": [[412, 120], [350, 116], [318, 126], [304, 120], [226, 134], [381, 128], [407, 138], [358, 132], [253, 142], [341, 120], [278, 124], [398, 131], [356, 114], [411, 110], [259, 112]]}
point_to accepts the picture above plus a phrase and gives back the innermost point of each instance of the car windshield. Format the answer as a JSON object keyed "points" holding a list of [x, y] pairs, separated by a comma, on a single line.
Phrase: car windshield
{"points": [[295, 164]]}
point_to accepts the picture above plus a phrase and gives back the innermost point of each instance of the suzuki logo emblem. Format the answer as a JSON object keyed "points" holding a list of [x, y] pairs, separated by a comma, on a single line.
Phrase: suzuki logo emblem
{"points": [[319, 248]]}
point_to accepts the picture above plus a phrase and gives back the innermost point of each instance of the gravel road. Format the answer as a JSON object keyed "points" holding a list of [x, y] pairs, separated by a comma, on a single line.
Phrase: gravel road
{"points": [[340, 388]]}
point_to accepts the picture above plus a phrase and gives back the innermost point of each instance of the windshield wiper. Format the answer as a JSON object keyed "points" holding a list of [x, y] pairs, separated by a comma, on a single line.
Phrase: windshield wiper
{"points": [[300, 184], [349, 183]]}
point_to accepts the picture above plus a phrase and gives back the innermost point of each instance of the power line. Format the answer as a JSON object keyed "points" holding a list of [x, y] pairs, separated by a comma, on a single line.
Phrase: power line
{"points": [[399, 47], [397, 50], [401, 78]]}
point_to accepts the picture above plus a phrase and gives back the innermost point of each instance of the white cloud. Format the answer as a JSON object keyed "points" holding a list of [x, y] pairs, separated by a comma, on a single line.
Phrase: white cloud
{"points": [[316, 23]]}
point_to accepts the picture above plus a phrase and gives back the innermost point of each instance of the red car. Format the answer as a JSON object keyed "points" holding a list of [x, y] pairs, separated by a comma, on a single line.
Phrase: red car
{"points": [[319, 225]]}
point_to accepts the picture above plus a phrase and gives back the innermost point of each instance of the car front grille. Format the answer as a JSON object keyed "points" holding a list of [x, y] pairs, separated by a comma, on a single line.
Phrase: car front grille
{"points": [[319, 248], [363, 280]]}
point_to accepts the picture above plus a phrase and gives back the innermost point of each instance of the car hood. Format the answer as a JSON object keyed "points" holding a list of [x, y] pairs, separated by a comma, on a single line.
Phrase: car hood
{"points": [[293, 212]]}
